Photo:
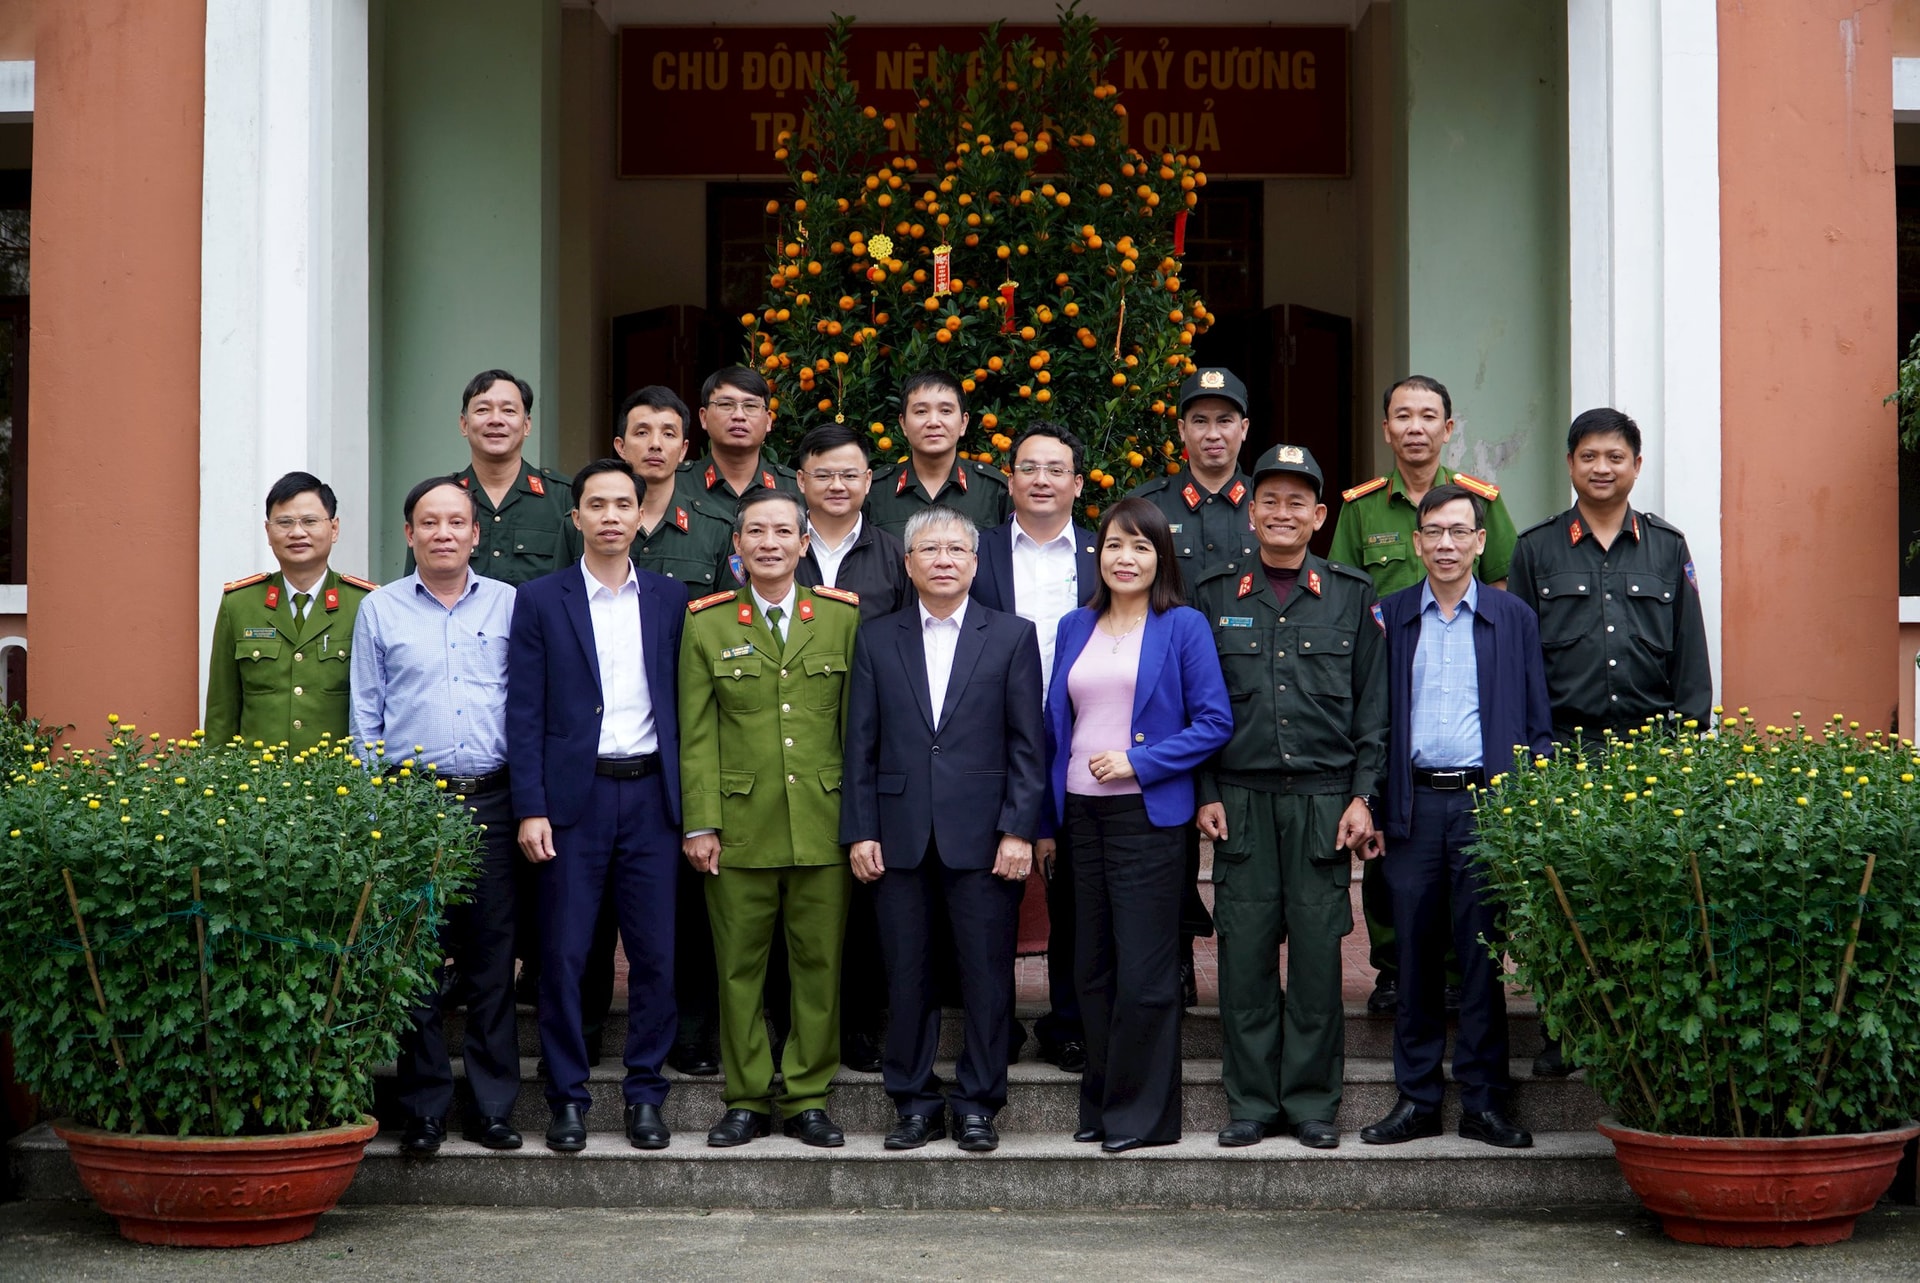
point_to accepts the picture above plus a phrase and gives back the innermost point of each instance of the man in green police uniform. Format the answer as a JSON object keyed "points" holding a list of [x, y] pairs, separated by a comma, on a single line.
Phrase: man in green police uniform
{"points": [[736, 409], [1207, 510], [933, 419], [1288, 802], [283, 641], [1375, 532], [763, 697]]}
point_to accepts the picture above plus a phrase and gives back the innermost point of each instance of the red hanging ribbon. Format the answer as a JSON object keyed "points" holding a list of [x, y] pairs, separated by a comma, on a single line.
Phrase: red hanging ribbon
{"points": [[943, 271], [1180, 234], [1006, 306]]}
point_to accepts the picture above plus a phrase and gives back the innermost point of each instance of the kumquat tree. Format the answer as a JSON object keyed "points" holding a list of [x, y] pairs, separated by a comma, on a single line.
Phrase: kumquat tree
{"points": [[1032, 254]]}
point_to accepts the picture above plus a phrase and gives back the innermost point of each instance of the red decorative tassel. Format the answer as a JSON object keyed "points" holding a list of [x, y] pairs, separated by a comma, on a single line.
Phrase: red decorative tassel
{"points": [[943, 271], [1006, 305], [1180, 234]]}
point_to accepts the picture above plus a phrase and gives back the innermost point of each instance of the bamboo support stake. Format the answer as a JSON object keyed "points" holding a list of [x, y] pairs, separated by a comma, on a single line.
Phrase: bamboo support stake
{"points": [[1840, 989], [1713, 973], [93, 972], [206, 1010], [340, 968], [1593, 970]]}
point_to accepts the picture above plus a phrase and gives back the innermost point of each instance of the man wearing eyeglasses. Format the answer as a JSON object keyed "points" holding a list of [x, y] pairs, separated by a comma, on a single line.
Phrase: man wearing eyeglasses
{"points": [[283, 640], [934, 420], [735, 411]]}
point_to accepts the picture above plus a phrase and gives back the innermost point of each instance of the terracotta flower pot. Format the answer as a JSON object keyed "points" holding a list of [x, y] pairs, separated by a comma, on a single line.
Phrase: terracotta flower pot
{"points": [[1758, 1193], [216, 1191]]}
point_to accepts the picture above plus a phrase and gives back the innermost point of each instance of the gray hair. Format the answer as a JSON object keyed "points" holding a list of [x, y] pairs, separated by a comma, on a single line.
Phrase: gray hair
{"points": [[754, 498], [944, 517]]}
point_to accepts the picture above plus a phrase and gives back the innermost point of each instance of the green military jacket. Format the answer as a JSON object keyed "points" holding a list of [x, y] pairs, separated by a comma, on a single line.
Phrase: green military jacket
{"points": [[976, 489], [1376, 524], [690, 545], [272, 680], [761, 726], [701, 480], [1308, 681], [530, 534], [1211, 532]]}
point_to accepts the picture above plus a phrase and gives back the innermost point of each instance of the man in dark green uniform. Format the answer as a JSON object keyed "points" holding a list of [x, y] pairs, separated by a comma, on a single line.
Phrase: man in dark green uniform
{"points": [[763, 699], [1208, 510], [1288, 803], [283, 640], [1375, 531], [736, 412], [933, 419]]}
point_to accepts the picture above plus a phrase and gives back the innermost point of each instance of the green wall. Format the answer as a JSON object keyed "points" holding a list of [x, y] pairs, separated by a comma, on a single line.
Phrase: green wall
{"points": [[465, 194], [1482, 232]]}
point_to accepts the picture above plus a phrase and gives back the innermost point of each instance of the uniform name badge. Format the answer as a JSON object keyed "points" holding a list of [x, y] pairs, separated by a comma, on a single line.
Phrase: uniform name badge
{"points": [[1236, 621], [735, 652], [259, 634]]}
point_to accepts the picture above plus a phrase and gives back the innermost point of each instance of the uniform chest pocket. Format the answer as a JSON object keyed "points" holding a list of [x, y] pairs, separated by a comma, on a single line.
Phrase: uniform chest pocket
{"points": [[259, 664], [737, 684], [336, 665], [1243, 660], [1566, 601], [1650, 599], [826, 680], [1326, 661], [686, 570], [534, 545], [1384, 554]]}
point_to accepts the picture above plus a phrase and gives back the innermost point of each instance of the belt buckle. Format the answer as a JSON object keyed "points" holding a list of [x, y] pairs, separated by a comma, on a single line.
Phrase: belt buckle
{"points": [[1447, 781]]}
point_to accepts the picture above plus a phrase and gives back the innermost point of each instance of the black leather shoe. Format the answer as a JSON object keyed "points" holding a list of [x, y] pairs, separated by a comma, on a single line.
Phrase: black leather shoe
{"points": [[915, 1130], [693, 1059], [567, 1133], [1451, 1000], [813, 1127], [860, 1052], [975, 1134], [1315, 1134], [1550, 1063], [1494, 1128], [493, 1133], [737, 1127], [1120, 1144], [423, 1136], [1245, 1131], [645, 1128], [1385, 996], [1405, 1121], [1069, 1054], [1089, 1135]]}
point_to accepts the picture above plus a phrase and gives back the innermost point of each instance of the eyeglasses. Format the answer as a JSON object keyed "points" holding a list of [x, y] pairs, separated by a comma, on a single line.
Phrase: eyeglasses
{"points": [[931, 551], [845, 476], [729, 406], [287, 525], [1459, 534], [1053, 471]]}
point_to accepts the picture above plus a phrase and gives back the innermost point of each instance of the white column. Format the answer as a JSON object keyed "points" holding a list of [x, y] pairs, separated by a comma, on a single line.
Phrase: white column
{"points": [[1643, 174], [284, 313]]}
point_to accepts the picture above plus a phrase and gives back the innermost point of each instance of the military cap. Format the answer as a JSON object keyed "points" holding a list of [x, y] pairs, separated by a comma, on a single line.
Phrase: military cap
{"points": [[1213, 381], [1294, 459]]}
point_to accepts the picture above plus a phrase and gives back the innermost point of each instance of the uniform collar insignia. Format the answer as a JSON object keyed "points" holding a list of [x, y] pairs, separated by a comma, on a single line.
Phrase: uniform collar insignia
{"points": [[333, 599], [1246, 586], [1239, 492], [900, 486], [1575, 532], [1313, 582], [1633, 524], [680, 517], [746, 612], [273, 596], [960, 475], [535, 484], [1191, 495], [466, 482], [805, 609], [712, 476], [766, 480]]}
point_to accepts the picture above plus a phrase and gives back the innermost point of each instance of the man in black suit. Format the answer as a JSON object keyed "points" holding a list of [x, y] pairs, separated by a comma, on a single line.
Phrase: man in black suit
{"points": [[1039, 566], [942, 793]]}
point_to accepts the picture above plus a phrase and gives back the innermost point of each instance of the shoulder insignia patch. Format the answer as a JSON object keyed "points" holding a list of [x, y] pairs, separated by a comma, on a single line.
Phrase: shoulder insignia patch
{"points": [[1692, 578], [1191, 495], [1379, 618], [249, 581], [738, 567], [842, 595], [1246, 586], [711, 599], [358, 582], [535, 484], [1362, 490], [1313, 582], [1485, 489]]}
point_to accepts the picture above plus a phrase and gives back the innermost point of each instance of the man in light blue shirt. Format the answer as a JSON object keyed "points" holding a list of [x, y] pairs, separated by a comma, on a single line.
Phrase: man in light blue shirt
{"points": [[430, 682]]}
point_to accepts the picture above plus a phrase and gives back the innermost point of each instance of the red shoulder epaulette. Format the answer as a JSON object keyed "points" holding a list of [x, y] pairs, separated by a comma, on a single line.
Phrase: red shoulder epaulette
{"points": [[358, 582], [1485, 489], [711, 599], [244, 583], [838, 594], [1362, 490]]}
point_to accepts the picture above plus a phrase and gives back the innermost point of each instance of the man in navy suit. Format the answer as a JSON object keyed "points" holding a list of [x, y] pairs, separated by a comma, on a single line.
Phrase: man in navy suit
{"points": [[593, 748], [1466, 685], [945, 777], [1039, 566]]}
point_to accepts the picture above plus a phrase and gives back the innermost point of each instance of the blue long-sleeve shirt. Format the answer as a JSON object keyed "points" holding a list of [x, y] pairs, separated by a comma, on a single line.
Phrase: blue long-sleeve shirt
{"points": [[432, 676]]}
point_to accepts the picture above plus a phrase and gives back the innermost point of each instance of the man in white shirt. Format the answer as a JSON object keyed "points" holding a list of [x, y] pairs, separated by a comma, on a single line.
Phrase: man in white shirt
{"points": [[593, 751], [1039, 566]]}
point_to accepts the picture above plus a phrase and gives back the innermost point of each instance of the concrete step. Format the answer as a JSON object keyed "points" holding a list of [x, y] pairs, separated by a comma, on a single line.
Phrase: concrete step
{"points": [[1563, 1169], [1042, 1100]]}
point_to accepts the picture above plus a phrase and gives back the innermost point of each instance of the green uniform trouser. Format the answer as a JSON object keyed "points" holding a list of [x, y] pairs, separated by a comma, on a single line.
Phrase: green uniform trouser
{"points": [[744, 905], [1278, 880]]}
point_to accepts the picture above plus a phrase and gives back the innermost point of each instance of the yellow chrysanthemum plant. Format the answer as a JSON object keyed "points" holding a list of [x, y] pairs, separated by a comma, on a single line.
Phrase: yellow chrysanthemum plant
{"points": [[1007, 235]]}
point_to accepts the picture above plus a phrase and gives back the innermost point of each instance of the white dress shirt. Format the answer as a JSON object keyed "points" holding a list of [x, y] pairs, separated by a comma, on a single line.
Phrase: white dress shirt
{"points": [[828, 557], [786, 605], [1046, 585], [940, 638], [626, 719]]}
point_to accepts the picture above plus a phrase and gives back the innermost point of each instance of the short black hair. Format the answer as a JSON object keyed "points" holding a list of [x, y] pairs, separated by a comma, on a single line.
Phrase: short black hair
{"points": [[651, 397], [757, 498], [828, 436], [1057, 432], [599, 466], [1425, 384], [1137, 516], [434, 483], [487, 378], [931, 379], [1603, 422], [295, 484], [747, 380], [1442, 495]]}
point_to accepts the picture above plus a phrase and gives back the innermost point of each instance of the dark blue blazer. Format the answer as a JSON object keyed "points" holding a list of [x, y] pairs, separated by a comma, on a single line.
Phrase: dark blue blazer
{"points": [[1181, 713], [1513, 690], [976, 777], [993, 578], [553, 691]]}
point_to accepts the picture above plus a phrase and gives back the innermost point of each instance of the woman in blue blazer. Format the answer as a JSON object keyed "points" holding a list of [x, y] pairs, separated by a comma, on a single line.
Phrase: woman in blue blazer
{"points": [[1135, 705]]}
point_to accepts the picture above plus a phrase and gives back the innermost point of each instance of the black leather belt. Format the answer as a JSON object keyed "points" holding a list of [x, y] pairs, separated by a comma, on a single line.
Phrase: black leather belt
{"points": [[628, 768], [474, 785], [1450, 781]]}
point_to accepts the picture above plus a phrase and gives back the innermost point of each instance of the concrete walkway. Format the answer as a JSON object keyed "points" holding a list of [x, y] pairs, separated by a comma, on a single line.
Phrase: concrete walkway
{"points": [[71, 1241]]}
